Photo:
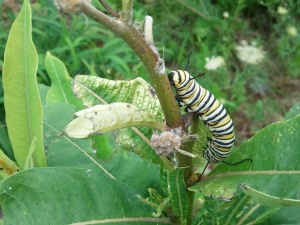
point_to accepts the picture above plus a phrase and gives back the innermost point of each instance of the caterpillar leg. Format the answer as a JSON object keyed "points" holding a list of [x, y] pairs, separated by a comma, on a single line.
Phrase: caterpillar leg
{"points": [[179, 101]]}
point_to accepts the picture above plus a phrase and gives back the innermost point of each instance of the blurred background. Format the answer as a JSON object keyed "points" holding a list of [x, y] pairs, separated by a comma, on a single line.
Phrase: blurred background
{"points": [[249, 50]]}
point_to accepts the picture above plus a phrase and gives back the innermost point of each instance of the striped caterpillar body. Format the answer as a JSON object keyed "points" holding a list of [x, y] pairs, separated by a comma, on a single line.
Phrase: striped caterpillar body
{"points": [[210, 110]]}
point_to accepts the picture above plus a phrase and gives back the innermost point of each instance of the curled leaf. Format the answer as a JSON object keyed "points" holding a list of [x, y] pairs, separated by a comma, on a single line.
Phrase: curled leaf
{"points": [[106, 118]]}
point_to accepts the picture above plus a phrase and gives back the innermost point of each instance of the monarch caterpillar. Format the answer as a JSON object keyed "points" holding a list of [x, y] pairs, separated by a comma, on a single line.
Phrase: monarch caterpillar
{"points": [[210, 110]]}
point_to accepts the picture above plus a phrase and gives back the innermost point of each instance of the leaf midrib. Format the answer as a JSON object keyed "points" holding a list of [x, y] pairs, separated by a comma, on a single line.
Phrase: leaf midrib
{"points": [[257, 172]]}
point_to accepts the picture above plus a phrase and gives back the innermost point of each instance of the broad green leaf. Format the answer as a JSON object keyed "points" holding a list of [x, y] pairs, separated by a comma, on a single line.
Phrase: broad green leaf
{"points": [[69, 196], [101, 119], [275, 170], [21, 96], [268, 200], [95, 90], [106, 144], [61, 83], [261, 214], [294, 111], [63, 151], [174, 186], [285, 215]]}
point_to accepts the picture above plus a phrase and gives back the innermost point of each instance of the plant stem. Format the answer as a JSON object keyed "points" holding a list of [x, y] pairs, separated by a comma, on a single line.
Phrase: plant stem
{"points": [[147, 56], [154, 66], [127, 12], [110, 10]]}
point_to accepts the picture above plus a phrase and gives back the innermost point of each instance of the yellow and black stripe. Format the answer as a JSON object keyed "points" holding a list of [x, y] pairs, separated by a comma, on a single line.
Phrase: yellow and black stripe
{"points": [[210, 110]]}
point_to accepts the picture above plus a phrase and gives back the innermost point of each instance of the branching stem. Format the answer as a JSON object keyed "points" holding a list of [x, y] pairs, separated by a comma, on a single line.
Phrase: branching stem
{"points": [[110, 10], [127, 11]]}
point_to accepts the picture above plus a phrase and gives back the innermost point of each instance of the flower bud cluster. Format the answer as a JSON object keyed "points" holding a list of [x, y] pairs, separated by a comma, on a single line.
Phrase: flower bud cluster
{"points": [[167, 142]]}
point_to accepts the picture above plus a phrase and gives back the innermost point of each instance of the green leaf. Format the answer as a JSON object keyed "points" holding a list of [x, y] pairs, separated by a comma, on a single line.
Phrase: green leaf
{"points": [[106, 144], [68, 196], [95, 90], [285, 215], [174, 186], [268, 200], [22, 101], [101, 119], [61, 83], [294, 111], [63, 151], [275, 170], [261, 214]]}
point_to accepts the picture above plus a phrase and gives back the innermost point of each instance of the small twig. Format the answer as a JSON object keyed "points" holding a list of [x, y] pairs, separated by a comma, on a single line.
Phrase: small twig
{"points": [[127, 11], [110, 10]]}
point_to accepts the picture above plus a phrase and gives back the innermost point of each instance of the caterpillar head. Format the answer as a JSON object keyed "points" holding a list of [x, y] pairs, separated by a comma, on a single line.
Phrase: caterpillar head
{"points": [[178, 78], [171, 77]]}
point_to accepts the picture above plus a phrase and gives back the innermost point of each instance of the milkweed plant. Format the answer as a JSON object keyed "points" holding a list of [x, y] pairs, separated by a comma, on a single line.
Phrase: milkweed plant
{"points": [[92, 150]]}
